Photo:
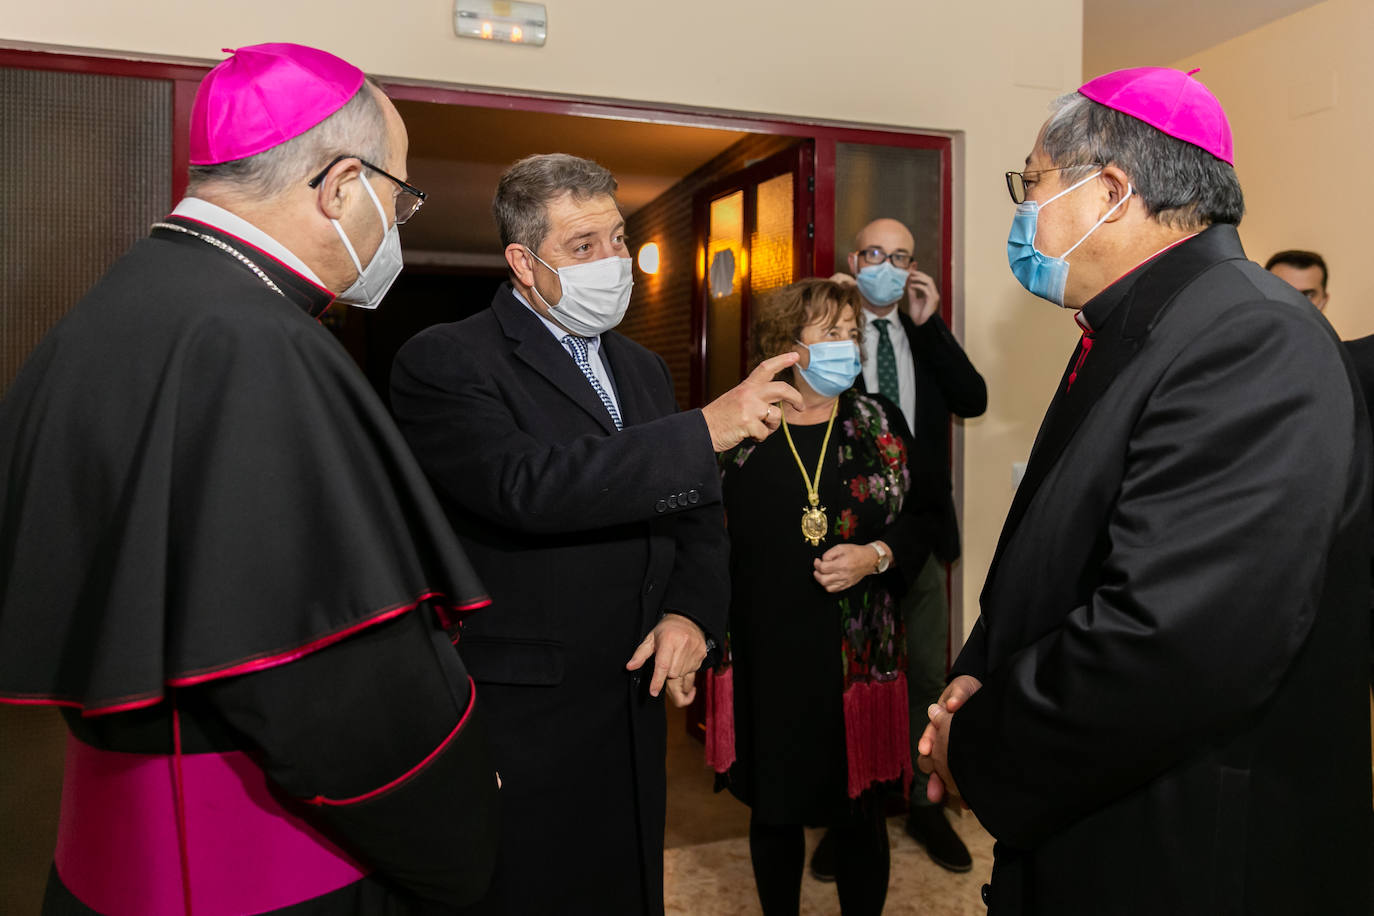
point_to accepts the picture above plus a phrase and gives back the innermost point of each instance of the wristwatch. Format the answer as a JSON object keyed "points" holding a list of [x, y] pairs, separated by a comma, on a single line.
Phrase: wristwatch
{"points": [[884, 558]]}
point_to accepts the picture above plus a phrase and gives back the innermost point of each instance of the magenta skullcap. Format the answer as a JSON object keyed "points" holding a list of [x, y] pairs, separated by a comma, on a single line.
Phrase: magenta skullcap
{"points": [[263, 96], [1169, 100]]}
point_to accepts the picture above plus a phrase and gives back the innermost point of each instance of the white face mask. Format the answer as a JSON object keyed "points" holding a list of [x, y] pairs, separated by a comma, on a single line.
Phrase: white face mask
{"points": [[375, 279], [595, 294]]}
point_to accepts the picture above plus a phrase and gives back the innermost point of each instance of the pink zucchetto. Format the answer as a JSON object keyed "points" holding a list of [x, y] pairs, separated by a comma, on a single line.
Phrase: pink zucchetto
{"points": [[1169, 100], [263, 96]]}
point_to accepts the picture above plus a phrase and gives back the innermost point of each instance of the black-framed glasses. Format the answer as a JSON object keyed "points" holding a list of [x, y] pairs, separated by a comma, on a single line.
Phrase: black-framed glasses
{"points": [[409, 199], [875, 255], [1016, 181]]}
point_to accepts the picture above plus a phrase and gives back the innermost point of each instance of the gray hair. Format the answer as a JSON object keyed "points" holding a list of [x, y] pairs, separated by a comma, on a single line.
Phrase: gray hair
{"points": [[1182, 186], [521, 205], [356, 129]]}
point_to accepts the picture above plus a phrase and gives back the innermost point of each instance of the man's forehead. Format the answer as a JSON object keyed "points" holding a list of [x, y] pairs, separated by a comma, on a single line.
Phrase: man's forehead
{"points": [[1301, 277], [568, 210], [887, 234]]}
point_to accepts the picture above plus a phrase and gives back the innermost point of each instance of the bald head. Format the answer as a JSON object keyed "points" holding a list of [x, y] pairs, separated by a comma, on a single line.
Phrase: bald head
{"points": [[887, 234]]}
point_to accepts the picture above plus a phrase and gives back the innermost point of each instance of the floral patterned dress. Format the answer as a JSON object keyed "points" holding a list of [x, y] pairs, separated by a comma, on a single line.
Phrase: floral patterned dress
{"points": [[819, 697]]}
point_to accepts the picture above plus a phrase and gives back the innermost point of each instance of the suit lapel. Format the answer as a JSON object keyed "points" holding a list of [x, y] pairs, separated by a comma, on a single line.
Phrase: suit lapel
{"points": [[1145, 298], [631, 395], [536, 347]]}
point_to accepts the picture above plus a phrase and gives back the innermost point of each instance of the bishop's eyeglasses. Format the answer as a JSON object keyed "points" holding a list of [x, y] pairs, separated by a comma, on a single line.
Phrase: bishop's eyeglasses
{"points": [[1016, 181], [409, 199]]}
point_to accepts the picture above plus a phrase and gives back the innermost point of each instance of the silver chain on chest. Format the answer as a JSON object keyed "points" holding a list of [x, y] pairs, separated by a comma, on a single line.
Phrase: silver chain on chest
{"points": [[227, 249]]}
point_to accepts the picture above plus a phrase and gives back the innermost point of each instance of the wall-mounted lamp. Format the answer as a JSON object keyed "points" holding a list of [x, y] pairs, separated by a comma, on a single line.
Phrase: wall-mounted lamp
{"points": [[648, 258], [496, 20]]}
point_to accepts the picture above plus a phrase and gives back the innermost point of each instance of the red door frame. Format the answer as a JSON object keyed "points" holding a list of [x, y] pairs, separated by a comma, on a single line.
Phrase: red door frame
{"points": [[185, 78], [825, 134], [795, 160]]}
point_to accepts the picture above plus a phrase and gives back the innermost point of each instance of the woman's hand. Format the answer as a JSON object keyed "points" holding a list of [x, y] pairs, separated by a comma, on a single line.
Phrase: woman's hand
{"points": [[843, 565]]}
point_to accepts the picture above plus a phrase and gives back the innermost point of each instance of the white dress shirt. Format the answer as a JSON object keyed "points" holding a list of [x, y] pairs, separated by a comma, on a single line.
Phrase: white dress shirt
{"points": [[906, 364], [603, 375], [202, 211]]}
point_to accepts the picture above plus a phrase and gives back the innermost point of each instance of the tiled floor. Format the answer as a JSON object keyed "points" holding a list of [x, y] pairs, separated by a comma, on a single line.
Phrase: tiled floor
{"points": [[706, 863]]}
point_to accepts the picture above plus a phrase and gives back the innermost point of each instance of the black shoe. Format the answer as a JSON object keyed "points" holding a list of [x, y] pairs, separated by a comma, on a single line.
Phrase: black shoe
{"points": [[927, 825], [823, 859]]}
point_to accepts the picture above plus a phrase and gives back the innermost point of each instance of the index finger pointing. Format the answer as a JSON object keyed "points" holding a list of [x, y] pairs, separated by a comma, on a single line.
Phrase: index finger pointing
{"points": [[773, 365]]}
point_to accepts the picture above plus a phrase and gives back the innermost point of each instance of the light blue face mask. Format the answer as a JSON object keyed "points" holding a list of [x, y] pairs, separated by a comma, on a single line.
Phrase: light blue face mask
{"points": [[833, 366], [882, 284], [1038, 272]]}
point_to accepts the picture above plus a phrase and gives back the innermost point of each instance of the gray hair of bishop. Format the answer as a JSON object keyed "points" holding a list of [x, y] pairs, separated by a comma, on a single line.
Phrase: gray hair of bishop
{"points": [[356, 129], [521, 204], [1182, 186]]}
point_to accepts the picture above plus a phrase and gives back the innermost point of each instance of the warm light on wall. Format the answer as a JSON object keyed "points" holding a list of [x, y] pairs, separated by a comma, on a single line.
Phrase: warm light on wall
{"points": [[648, 258]]}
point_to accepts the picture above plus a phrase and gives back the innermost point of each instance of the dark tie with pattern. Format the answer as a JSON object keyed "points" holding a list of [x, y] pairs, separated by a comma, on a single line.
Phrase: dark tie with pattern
{"points": [[888, 385], [577, 346]]}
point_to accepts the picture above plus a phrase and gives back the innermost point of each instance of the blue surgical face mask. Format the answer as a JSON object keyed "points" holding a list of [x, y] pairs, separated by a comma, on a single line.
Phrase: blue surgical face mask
{"points": [[1038, 272], [833, 366], [882, 284]]}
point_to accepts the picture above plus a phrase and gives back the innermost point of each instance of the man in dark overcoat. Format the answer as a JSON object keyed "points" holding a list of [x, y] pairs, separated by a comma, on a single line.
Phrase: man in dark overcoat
{"points": [[1163, 705], [591, 509]]}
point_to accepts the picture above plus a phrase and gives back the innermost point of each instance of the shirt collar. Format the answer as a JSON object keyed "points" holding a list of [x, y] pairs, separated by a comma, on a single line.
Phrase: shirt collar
{"points": [[894, 325], [203, 211], [593, 343]]}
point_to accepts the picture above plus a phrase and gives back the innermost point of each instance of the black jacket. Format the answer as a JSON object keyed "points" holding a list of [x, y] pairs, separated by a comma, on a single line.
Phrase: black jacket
{"points": [[1174, 629], [584, 537], [946, 383]]}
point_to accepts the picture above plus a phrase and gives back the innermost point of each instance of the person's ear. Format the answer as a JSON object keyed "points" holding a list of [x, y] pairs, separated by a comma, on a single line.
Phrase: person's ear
{"points": [[520, 263], [1117, 186], [339, 184], [854, 263]]}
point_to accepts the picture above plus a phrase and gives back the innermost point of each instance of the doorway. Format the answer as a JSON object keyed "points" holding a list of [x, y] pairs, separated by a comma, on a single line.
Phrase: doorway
{"points": [[789, 181]]}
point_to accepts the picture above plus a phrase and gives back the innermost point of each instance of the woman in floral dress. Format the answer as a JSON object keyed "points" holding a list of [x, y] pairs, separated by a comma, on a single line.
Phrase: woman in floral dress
{"points": [[816, 650]]}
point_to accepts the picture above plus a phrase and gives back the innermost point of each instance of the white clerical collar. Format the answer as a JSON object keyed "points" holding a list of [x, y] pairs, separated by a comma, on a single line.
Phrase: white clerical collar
{"points": [[202, 211]]}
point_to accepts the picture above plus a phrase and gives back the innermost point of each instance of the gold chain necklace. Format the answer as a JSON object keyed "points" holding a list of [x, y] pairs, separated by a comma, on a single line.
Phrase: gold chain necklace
{"points": [[814, 524]]}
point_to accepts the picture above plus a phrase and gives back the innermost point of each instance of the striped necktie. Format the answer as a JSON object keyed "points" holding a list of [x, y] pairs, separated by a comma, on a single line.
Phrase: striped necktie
{"points": [[888, 385], [577, 346]]}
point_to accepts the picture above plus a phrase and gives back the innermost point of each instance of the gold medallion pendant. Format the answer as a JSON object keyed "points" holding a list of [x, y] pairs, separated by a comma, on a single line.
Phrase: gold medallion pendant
{"points": [[814, 524]]}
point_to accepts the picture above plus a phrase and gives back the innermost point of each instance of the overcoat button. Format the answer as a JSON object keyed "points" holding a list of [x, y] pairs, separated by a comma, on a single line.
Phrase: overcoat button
{"points": [[693, 497], [672, 500], [987, 895], [660, 506]]}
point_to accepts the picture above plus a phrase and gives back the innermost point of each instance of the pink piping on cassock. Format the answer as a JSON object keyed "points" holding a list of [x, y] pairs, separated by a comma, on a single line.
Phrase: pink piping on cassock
{"points": [[472, 700], [246, 667], [272, 661], [243, 241]]}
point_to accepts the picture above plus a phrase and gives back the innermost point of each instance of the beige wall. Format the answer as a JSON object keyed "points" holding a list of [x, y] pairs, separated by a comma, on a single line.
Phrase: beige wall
{"points": [[1297, 93], [985, 69]]}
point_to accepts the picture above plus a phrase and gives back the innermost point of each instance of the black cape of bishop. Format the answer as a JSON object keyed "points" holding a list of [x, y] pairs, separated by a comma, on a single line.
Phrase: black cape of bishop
{"points": [[197, 481]]}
